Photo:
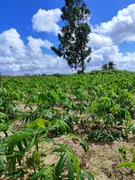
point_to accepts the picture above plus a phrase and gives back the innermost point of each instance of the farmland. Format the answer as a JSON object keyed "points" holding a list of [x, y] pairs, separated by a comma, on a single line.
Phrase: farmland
{"points": [[60, 126]]}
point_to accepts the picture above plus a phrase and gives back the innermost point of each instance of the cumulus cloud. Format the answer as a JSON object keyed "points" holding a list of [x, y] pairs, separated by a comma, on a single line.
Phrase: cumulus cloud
{"points": [[46, 21], [121, 27], [16, 58], [112, 53], [106, 37], [36, 44], [98, 40], [11, 44]]}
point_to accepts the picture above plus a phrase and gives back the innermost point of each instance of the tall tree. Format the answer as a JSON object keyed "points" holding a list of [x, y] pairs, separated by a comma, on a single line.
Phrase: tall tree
{"points": [[74, 36]]}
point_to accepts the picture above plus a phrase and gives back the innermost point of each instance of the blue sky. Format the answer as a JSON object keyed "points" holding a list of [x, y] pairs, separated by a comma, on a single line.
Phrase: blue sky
{"points": [[26, 35]]}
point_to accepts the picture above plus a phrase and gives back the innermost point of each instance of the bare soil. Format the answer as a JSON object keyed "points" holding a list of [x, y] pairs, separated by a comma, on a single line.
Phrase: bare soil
{"points": [[101, 159]]}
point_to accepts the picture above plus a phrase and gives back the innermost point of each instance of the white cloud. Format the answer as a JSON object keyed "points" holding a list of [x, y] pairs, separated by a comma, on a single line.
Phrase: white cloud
{"points": [[36, 44], [46, 21], [121, 28], [111, 53], [11, 44], [106, 37], [16, 58], [98, 40], [7, 60], [30, 58]]}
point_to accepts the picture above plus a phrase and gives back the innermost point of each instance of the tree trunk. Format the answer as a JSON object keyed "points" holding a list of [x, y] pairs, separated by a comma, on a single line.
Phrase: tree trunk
{"points": [[83, 68], [82, 62]]}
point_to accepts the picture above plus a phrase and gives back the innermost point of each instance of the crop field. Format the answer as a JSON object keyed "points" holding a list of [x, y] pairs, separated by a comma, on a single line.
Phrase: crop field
{"points": [[62, 127]]}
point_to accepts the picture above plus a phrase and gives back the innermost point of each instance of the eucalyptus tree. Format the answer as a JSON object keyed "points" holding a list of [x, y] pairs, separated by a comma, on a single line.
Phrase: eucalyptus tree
{"points": [[74, 35]]}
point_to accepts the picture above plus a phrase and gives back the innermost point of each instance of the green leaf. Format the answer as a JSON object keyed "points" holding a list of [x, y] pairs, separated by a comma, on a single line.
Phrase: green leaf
{"points": [[2, 164], [128, 116], [31, 144], [133, 129], [38, 174], [75, 161], [19, 158], [61, 126], [61, 148], [4, 116], [36, 158], [15, 174], [70, 169], [38, 123], [86, 175], [3, 127], [125, 164], [48, 173], [60, 164], [16, 139], [83, 143]]}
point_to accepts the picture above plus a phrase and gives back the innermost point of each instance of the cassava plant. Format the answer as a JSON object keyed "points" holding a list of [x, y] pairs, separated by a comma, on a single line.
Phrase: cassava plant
{"points": [[124, 151]]}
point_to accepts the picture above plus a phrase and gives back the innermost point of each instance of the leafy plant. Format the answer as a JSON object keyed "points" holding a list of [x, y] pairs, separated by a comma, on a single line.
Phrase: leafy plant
{"points": [[48, 173], [99, 104], [124, 151]]}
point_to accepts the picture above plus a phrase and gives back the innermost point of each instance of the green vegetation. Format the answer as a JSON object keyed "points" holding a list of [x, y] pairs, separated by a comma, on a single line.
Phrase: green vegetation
{"points": [[124, 151], [99, 104]]}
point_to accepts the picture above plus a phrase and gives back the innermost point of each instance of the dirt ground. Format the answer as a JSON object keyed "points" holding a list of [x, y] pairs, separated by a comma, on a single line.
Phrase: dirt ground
{"points": [[101, 159]]}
